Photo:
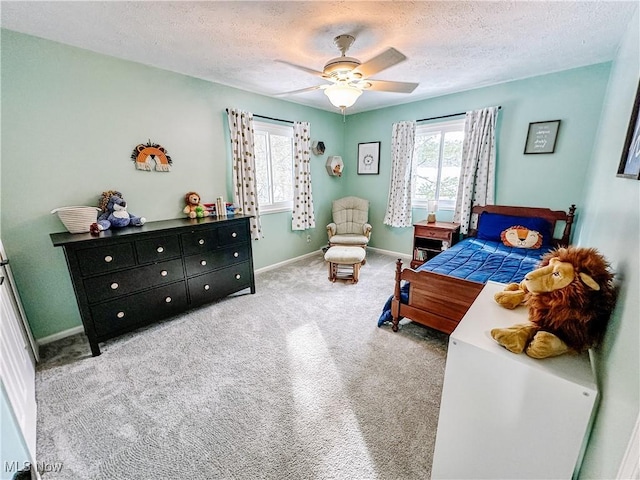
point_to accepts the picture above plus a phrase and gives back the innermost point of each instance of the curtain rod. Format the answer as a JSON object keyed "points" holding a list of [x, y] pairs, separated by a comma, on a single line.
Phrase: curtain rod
{"points": [[447, 116], [268, 118]]}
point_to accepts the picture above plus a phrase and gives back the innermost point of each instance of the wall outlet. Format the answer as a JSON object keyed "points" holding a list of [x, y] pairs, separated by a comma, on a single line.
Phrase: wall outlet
{"points": [[308, 238]]}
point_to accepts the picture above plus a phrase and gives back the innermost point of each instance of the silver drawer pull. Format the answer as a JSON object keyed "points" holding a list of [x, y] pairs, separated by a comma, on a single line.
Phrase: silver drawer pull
{"points": [[120, 314], [237, 276], [160, 249], [114, 286], [207, 287], [201, 241], [234, 234], [168, 299], [203, 262], [163, 273], [108, 258], [235, 254]]}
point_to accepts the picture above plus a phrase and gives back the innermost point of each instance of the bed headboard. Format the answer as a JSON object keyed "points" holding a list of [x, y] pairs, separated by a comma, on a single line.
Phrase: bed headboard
{"points": [[552, 216]]}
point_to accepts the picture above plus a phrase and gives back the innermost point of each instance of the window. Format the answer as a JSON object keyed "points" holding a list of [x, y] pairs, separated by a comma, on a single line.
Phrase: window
{"points": [[274, 166], [437, 157]]}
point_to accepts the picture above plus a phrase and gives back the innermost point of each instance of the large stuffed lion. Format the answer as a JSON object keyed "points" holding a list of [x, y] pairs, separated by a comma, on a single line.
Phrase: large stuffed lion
{"points": [[570, 297]]}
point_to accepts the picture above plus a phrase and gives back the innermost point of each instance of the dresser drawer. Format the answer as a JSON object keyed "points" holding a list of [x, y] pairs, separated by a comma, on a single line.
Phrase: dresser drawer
{"points": [[126, 313], [115, 284], [232, 234], [105, 259], [432, 233], [207, 261], [200, 240], [158, 249], [208, 287]]}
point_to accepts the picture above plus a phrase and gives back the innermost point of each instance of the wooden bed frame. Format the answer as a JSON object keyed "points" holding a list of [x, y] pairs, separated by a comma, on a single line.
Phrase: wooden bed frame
{"points": [[440, 301]]}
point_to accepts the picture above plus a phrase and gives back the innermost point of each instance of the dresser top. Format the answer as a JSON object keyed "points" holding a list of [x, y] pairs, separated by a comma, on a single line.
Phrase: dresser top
{"points": [[65, 238]]}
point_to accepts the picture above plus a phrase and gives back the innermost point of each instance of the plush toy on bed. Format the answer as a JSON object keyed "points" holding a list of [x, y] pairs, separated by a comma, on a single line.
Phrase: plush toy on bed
{"points": [[114, 213], [194, 209], [570, 297]]}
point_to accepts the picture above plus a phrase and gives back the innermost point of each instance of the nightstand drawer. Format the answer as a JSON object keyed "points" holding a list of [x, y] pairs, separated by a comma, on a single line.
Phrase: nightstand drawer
{"points": [[105, 259], [158, 249], [115, 284], [427, 232], [135, 310]]}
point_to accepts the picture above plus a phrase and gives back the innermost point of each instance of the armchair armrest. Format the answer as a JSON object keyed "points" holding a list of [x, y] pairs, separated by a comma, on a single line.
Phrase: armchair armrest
{"points": [[366, 228], [331, 229]]}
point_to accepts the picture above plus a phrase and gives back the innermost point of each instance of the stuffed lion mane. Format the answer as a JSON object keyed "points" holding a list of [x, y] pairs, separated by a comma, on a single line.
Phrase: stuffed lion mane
{"points": [[570, 297]]}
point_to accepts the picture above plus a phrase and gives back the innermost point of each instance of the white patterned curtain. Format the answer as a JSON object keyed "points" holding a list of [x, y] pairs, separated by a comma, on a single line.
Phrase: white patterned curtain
{"points": [[399, 202], [478, 172], [245, 193], [302, 216]]}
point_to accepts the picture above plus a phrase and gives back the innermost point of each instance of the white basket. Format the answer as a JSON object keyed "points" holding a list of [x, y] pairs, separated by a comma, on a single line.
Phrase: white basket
{"points": [[77, 219]]}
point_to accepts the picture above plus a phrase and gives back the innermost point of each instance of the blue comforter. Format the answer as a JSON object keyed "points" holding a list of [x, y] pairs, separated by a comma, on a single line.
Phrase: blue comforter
{"points": [[479, 261]]}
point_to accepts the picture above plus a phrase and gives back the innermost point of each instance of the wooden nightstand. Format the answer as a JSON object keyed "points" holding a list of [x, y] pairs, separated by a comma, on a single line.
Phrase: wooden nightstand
{"points": [[429, 239]]}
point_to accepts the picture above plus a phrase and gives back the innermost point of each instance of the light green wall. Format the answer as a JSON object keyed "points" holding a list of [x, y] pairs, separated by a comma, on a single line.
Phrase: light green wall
{"points": [[549, 180], [12, 444], [611, 223], [70, 119]]}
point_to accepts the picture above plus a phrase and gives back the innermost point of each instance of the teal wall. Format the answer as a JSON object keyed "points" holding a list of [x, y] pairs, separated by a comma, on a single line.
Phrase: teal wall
{"points": [[12, 445], [611, 223], [549, 180], [70, 119]]}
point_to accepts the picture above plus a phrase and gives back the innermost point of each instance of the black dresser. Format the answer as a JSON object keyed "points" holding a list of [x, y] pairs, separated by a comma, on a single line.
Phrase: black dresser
{"points": [[129, 277]]}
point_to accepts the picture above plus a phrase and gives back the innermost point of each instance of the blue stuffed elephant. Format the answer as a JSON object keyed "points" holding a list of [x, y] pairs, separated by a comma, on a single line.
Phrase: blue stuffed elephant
{"points": [[115, 214]]}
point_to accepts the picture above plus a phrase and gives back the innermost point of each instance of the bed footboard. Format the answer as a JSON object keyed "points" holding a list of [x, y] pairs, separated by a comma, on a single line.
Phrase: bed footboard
{"points": [[435, 300]]}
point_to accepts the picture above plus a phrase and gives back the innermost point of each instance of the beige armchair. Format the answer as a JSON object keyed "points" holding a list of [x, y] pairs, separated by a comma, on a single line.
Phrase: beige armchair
{"points": [[350, 225]]}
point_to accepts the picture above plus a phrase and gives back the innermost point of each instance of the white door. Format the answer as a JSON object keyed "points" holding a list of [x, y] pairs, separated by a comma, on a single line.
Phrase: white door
{"points": [[17, 357]]}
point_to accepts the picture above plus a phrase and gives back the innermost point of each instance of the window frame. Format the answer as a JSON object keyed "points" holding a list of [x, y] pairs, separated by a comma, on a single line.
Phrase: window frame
{"points": [[284, 131], [428, 129]]}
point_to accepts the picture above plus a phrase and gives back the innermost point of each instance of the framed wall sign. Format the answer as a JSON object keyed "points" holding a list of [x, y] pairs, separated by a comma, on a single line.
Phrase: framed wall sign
{"points": [[541, 137], [369, 158], [630, 161]]}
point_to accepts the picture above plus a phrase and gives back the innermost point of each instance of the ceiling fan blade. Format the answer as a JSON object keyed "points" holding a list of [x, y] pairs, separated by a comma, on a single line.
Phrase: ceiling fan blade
{"points": [[302, 90], [397, 87], [304, 69], [386, 59]]}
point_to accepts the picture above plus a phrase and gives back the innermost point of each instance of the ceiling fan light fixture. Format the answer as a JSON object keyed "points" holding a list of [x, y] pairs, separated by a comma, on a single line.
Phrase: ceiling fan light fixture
{"points": [[342, 95]]}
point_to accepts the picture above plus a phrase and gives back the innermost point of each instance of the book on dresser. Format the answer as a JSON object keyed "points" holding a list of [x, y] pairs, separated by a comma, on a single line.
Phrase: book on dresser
{"points": [[130, 277]]}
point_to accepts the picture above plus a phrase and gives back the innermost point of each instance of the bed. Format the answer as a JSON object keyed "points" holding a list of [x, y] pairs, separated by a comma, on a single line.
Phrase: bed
{"points": [[440, 291]]}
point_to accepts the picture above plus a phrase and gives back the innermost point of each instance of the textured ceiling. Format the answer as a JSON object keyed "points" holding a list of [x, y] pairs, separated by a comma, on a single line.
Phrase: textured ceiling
{"points": [[451, 46]]}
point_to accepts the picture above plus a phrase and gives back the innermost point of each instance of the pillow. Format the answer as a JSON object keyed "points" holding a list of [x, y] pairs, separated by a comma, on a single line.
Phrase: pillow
{"points": [[491, 226], [521, 237]]}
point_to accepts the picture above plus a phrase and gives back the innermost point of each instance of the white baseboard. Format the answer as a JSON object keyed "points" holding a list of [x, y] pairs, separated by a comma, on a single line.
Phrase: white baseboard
{"points": [[285, 262], [60, 335], [404, 256]]}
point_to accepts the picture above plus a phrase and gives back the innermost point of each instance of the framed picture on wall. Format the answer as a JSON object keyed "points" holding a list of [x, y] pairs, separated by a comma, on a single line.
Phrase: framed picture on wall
{"points": [[541, 137], [369, 158], [630, 161]]}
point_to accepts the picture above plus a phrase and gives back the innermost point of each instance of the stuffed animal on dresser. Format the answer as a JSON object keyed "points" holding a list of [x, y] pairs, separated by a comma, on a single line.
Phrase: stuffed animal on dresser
{"points": [[114, 213], [570, 297], [193, 208]]}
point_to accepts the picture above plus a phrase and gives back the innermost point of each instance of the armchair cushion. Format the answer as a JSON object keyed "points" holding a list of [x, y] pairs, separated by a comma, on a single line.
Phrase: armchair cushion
{"points": [[348, 239], [349, 214], [350, 222]]}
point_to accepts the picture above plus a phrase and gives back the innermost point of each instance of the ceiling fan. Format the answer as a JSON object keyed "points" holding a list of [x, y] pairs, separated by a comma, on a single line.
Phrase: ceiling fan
{"points": [[349, 77]]}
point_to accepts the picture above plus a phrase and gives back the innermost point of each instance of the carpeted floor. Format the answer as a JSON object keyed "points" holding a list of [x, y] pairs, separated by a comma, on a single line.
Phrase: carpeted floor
{"points": [[293, 382]]}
